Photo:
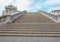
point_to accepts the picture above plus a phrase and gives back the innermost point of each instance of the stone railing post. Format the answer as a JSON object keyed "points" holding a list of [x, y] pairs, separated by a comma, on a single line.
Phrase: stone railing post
{"points": [[8, 19], [5, 19], [58, 19]]}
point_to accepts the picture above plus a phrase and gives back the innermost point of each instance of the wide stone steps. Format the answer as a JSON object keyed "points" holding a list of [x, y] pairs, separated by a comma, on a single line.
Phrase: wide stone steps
{"points": [[32, 17], [38, 30], [15, 28], [31, 24], [30, 31]]}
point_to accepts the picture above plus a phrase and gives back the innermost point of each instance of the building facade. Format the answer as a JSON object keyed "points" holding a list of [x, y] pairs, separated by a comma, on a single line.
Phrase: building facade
{"points": [[57, 12], [9, 10]]}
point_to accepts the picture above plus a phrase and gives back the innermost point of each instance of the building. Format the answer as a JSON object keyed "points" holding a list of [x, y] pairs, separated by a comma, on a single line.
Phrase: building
{"points": [[57, 12], [9, 10]]}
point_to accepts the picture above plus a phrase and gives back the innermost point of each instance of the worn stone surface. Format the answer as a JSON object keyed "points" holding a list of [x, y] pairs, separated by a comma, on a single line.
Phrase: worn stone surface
{"points": [[31, 24], [33, 17], [29, 39]]}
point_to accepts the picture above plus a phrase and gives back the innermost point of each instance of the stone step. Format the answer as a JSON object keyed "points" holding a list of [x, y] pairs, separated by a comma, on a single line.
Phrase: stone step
{"points": [[32, 25], [28, 30], [31, 35]]}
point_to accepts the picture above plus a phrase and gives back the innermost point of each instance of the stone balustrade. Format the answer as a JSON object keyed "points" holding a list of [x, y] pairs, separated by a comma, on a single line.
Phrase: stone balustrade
{"points": [[16, 15], [54, 17], [11, 18], [3, 19]]}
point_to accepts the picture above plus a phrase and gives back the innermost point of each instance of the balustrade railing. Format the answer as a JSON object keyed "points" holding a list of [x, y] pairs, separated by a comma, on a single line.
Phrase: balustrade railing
{"points": [[54, 17], [11, 18], [18, 14]]}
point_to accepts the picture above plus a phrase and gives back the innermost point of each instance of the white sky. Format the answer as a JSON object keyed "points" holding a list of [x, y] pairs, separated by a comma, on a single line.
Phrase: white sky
{"points": [[31, 5]]}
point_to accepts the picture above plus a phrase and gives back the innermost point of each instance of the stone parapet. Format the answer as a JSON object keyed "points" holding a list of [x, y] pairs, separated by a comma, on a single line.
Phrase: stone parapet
{"points": [[54, 17], [11, 18]]}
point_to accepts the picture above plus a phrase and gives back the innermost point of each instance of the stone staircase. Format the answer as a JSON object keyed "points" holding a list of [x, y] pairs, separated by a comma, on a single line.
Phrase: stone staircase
{"points": [[33, 17], [31, 24]]}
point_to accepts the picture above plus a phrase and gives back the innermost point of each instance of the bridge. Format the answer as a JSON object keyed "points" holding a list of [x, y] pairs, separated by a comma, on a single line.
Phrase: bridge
{"points": [[29, 24]]}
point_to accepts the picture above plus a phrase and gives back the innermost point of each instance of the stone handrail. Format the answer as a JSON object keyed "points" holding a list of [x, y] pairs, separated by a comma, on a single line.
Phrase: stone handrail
{"points": [[11, 18], [54, 17], [16, 15]]}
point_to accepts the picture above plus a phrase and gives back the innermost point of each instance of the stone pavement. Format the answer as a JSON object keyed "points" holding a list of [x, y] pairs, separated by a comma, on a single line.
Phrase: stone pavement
{"points": [[29, 39]]}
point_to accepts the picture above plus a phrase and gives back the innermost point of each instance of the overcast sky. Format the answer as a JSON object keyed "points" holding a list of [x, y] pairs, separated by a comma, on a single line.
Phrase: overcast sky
{"points": [[31, 5]]}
